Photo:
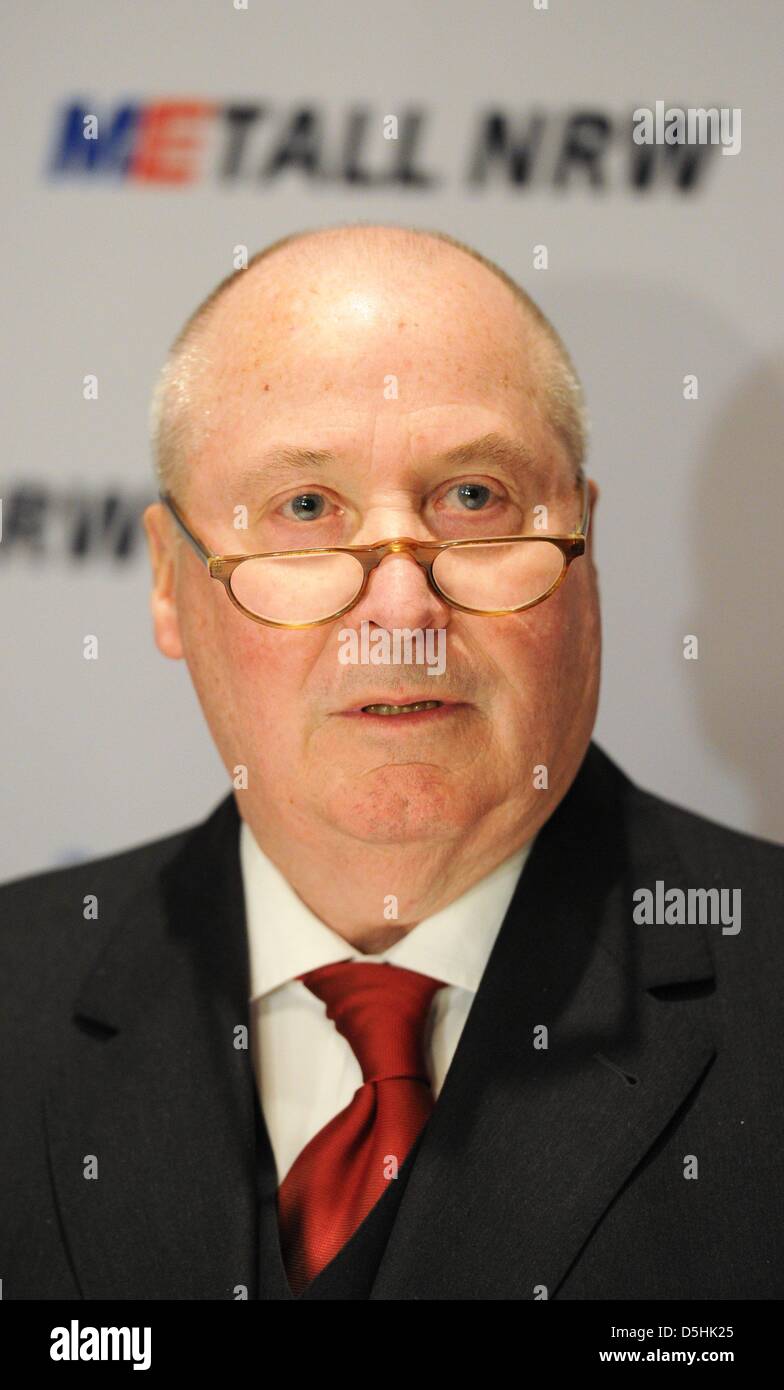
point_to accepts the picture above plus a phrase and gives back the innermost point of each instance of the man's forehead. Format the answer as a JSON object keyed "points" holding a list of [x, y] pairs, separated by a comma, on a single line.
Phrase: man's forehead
{"points": [[286, 308], [271, 404]]}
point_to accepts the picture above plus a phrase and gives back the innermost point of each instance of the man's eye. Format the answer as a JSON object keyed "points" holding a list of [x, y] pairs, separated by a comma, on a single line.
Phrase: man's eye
{"points": [[471, 496], [306, 506]]}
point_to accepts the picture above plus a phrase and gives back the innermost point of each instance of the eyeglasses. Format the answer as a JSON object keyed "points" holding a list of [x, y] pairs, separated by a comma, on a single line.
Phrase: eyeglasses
{"points": [[490, 577]]}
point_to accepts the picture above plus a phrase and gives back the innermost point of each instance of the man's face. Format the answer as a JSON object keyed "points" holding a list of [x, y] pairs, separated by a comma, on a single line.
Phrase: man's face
{"points": [[387, 370]]}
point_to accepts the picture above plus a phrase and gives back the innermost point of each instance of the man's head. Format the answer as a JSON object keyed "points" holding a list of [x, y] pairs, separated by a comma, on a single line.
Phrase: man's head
{"points": [[385, 348]]}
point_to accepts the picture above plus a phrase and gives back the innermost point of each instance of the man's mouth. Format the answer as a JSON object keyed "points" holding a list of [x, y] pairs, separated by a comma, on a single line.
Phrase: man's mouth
{"points": [[414, 708]]}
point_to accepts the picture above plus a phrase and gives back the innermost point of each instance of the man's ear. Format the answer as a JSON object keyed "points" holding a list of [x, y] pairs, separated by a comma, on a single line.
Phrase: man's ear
{"points": [[163, 602]]}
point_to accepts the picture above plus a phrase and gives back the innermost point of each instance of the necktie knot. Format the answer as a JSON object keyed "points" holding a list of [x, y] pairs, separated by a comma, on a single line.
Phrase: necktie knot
{"points": [[381, 1010]]}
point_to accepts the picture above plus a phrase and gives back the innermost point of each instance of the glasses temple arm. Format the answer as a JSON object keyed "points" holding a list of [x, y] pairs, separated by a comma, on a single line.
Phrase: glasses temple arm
{"points": [[586, 521], [192, 540]]}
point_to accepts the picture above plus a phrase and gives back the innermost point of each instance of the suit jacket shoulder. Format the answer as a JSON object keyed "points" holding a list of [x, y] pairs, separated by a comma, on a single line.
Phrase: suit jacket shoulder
{"points": [[747, 869], [49, 932], [54, 927]]}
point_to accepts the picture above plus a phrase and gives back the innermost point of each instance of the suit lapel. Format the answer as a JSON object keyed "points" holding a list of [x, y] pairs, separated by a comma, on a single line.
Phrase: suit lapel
{"points": [[526, 1148], [153, 1086]]}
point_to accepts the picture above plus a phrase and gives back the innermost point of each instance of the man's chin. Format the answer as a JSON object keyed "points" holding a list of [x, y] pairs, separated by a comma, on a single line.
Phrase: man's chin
{"points": [[401, 803]]}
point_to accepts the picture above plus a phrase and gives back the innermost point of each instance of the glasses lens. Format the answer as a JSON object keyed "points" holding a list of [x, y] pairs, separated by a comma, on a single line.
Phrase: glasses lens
{"points": [[500, 575], [297, 588]]}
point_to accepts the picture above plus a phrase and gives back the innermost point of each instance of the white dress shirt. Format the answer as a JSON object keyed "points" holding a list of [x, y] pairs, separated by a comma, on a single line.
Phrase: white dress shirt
{"points": [[305, 1070]]}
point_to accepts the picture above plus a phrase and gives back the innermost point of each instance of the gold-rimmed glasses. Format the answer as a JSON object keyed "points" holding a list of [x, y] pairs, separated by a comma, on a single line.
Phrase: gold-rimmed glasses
{"points": [[489, 577]]}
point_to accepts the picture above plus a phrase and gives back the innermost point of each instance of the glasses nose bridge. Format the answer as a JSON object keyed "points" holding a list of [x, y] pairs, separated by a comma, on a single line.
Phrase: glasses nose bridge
{"points": [[416, 550], [399, 545]]}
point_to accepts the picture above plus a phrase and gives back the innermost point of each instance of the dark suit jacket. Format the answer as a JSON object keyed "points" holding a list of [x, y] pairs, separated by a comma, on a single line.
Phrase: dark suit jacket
{"points": [[560, 1169]]}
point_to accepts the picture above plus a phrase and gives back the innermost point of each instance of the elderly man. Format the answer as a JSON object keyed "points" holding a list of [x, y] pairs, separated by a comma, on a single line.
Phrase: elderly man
{"points": [[436, 1003]]}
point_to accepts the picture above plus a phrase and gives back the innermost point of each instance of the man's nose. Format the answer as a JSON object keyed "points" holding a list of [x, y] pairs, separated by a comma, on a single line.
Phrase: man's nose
{"points": [[398, 595]]}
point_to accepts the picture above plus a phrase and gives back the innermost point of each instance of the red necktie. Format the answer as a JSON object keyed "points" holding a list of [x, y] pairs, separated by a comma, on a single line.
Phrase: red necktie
{"points": [[339, 1176]]}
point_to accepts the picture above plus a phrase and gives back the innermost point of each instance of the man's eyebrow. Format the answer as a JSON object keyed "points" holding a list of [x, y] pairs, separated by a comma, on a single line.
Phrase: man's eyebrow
{"points": [[498, 448], [288, 460], [281, 463]]}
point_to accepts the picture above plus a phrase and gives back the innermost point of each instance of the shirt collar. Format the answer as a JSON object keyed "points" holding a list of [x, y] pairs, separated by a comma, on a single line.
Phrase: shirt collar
{"points": [[286, 939]]}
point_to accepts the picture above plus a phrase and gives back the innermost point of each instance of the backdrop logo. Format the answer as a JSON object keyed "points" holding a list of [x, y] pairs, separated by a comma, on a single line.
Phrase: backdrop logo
{"points": [[177, 142], [42, 523]]}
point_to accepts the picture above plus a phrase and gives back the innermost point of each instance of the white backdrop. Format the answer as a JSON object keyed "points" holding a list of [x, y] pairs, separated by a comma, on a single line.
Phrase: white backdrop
{"points": [[645, 284]]}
